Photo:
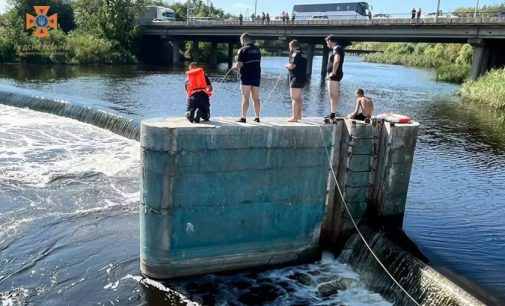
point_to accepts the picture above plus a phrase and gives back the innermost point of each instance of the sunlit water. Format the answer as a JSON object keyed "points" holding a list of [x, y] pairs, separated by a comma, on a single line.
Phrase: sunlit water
{"points": [[69, 192]]}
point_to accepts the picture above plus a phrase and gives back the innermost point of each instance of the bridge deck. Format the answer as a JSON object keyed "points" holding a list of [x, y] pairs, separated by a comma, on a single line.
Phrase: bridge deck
{"points": [[400, 29]]}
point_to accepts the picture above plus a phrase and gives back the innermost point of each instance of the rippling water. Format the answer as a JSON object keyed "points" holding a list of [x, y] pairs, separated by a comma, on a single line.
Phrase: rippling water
{"points": [[75, 188], [69, 230]]}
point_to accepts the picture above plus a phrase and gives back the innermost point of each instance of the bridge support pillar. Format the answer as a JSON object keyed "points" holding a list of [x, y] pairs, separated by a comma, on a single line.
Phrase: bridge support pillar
{"points": [[230, 55], [310, 59], [326, 54], [486, 56], [176, 56], [195, 50], [213, 55]]}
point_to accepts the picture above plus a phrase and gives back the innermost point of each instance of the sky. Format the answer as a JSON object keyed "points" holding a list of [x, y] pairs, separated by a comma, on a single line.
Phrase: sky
{"points": [[274, 7]]}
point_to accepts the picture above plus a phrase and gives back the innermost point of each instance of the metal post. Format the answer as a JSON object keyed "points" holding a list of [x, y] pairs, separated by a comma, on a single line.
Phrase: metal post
{"points": [[476, 9], [187, 12], [438, 11]]}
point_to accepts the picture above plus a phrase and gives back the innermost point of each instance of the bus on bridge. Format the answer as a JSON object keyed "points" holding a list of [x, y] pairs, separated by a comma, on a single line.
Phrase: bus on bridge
{"points": [[331, 11]]}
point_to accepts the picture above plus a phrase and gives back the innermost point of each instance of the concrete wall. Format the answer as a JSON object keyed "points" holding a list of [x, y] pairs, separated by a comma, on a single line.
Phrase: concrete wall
{"points": [[372, 163], [223, 195]]}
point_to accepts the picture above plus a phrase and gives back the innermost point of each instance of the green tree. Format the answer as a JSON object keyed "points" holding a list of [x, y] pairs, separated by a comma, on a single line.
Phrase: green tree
{"points": [[112, 20], [198, 8], [485, 10]]}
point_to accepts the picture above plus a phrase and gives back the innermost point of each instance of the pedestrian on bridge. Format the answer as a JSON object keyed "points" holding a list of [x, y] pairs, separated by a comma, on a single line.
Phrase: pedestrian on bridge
{"points": [[418, 16], [263, 18], [335, 74], [297, 68], [413, 16], [268, 18], [249, 65], [241, 19]]}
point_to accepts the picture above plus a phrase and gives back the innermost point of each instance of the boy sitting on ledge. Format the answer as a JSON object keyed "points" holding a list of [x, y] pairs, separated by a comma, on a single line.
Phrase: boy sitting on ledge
{"points": [[199, 90], [364, 107]]}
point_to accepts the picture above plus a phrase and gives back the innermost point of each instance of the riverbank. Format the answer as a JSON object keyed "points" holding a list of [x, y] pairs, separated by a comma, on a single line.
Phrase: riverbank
{"points": [[488, 90], [450, 61]]}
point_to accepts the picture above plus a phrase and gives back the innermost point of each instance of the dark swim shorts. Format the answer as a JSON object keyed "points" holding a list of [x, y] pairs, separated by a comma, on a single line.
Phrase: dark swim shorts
{"points": [[247, 82], [296, 84]]}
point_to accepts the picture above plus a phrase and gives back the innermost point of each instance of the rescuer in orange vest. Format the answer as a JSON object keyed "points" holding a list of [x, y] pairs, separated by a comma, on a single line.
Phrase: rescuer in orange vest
{"points": [[199, 90]]}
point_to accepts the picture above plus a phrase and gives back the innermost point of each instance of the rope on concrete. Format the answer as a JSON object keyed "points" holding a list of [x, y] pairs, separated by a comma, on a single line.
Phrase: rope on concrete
{"points": [[355, 224]]}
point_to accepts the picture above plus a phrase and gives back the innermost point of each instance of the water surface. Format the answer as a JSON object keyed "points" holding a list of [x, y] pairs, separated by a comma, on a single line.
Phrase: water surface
{"points": [[456, 201]]}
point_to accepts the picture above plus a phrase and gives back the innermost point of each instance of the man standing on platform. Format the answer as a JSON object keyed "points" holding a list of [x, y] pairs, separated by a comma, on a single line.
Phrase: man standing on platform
{"points": [[335, 74], [249, 65]]}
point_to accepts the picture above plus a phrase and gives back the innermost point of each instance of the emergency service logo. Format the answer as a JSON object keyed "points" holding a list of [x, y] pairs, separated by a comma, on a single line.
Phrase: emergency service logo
{"points": [[41, 22]]}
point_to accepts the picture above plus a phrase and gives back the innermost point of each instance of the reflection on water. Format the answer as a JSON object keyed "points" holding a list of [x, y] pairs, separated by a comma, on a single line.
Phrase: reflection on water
{"points": [[457, 191]]}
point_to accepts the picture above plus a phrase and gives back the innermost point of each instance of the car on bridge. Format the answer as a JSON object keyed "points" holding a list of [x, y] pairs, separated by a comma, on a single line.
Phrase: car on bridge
{"points": [[331, 11]]}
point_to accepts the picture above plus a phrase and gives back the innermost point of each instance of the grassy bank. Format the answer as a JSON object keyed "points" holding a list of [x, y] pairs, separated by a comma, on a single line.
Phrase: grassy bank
{"points": [[451, 61], [488, 90]]}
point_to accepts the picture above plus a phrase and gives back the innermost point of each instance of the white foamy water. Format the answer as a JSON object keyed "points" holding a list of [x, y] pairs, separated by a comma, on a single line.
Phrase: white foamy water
{"points": [[38, 148]]}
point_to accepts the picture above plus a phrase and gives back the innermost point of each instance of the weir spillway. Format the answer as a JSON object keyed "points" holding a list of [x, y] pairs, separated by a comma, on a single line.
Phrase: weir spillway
{"points": [[223, 195], [372, 163]]}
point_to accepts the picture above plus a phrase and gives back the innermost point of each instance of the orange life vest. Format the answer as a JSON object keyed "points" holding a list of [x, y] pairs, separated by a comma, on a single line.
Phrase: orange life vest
{"points": [[196, 82]]}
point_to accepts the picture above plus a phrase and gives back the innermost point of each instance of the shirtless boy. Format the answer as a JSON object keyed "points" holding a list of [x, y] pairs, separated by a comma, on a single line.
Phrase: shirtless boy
{"points": [[364, 107]]}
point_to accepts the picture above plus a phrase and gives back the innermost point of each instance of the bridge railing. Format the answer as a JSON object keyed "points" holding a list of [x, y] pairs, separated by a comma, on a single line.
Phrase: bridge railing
{"points": [[441, 20]]}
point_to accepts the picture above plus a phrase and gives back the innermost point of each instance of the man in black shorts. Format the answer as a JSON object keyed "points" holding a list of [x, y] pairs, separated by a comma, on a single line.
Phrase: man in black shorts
{"points": [[335, 73], [249, 64], [297, 67]]}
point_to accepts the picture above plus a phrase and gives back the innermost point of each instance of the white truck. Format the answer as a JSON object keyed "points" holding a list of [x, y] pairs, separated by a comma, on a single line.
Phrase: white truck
{"points": [[154, 13]]}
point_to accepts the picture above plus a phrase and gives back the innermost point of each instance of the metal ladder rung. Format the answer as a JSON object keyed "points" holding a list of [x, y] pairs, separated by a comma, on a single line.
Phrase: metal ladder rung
{"points": [[362, 171], [358, 187]]}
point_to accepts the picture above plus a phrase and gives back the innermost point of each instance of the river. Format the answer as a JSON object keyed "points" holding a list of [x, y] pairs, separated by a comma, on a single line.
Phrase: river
{"points": [[69, 191]]}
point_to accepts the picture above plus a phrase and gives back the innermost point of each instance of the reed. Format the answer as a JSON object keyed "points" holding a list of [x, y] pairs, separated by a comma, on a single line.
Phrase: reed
{"points": [[488, 90]]}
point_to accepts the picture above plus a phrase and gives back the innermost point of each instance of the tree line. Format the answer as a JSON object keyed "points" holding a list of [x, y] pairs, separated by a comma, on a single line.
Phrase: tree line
{"points": [[89, 31]]}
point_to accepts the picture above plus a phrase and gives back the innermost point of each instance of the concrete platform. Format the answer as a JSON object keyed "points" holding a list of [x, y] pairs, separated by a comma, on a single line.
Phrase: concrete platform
{"points": [[224, 195]]}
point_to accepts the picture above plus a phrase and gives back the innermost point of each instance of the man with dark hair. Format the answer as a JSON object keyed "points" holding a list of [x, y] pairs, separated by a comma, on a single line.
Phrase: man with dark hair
{"points": [[364, 107], [249, 65], [335, 74]]}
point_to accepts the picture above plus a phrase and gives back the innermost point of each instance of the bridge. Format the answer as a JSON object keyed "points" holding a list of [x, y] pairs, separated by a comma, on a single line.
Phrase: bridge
{"points": [[485, 34]]}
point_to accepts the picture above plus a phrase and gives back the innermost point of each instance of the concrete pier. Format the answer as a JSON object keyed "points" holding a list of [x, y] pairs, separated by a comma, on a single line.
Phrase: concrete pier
{"points": [[213, 55], [487, 55], [309, 53], [176, 55], [372, 163], [222, 195], [326, 56], [230, 55]]}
